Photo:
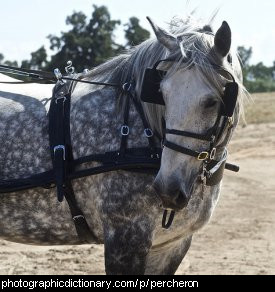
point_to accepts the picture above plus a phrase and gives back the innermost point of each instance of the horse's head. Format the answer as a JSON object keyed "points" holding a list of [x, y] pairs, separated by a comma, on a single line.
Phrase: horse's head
{"points": [[201, 111]]}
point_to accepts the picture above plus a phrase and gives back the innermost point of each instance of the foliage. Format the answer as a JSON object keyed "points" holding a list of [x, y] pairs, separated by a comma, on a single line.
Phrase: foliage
{"points": [[6, 62], [257, 78], [245, 55], [38, 60], [134, 33], [88, 43]]}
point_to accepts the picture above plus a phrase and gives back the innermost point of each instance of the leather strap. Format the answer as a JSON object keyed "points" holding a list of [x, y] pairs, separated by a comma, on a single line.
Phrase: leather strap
{"points": [[167, 224], [58, 130], [42, 76], [196, 154], [83, 230], [181, 149], [125, 130], [62, 156], [207, 137], [147, 130]]}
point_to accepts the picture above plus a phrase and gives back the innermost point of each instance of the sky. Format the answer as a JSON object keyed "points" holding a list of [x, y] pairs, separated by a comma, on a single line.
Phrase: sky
{"points": [[24, 25]]}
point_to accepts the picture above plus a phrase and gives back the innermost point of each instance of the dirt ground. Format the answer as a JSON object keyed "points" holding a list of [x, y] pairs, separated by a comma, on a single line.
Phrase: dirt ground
{"points": [[240, 238]]}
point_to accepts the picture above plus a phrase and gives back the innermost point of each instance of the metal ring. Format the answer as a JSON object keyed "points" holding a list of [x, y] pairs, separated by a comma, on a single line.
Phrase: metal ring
{"points": [[148, 133], [78, 217], [125, 130], [127, 86], [60, 147], [60, 98], [203, 156]]}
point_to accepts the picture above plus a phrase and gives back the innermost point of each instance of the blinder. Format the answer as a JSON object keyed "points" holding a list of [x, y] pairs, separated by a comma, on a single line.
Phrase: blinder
{"points": [[150, 91], [230, 99]]}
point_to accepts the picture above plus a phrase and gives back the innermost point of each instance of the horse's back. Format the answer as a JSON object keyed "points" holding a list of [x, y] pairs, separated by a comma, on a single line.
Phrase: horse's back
{"points": [[23, 128]]}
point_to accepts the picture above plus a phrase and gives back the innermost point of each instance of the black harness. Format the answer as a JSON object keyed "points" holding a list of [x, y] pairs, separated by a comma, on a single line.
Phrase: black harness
{"points": [[65, 167]]}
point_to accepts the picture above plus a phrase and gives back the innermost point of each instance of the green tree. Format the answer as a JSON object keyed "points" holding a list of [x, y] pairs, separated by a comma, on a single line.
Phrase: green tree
{"points": [[134, 33], [38, 60], [6, 62], [245, 55], [11, 63], [257, 78], [260, 71], [88, 43], [1, 58]]}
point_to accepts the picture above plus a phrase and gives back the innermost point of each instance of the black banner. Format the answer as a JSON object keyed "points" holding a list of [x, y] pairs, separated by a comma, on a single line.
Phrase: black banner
{"points": [[142, 283]]}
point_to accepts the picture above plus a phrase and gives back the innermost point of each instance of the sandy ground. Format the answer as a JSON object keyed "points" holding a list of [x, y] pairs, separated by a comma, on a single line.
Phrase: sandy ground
{"points": [[240, 238]]}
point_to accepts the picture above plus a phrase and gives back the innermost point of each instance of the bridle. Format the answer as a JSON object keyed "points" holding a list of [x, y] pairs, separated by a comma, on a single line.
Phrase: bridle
{"points": [[211, 170], [222, 127]]}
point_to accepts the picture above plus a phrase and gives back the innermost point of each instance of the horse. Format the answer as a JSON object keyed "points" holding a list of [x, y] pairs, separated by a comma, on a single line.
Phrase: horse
{"points": [[125, 209]]}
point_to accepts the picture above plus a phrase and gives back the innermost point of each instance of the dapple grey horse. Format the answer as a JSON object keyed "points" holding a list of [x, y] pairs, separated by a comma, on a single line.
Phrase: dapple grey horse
{"points": [[124, 209]]}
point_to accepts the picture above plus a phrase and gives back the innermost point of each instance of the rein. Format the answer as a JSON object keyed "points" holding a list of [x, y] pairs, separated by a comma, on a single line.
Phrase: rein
{"points": [[42, 76]]}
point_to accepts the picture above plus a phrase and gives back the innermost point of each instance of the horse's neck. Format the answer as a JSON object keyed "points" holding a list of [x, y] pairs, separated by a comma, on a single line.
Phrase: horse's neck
{"points": [[96, 124]]}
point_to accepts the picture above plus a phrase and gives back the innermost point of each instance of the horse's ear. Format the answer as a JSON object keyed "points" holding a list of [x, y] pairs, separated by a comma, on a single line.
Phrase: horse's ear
{"points": [[223, 40], [164, 37]]}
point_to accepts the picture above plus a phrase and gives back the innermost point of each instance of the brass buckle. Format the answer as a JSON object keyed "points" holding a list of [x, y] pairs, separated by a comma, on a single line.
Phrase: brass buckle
{"points": [[203, 156]]}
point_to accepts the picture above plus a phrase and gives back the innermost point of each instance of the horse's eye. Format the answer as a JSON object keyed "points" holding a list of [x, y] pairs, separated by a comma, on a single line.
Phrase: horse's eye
{"points": [[211, 102]]}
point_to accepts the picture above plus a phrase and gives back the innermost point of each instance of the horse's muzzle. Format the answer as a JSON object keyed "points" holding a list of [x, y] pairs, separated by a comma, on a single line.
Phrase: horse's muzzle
{"points": [[173, 199]]}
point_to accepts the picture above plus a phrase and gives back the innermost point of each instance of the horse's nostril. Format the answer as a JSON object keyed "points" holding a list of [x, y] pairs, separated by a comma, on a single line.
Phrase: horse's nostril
{"points": [[171, 195], [176, 200]]}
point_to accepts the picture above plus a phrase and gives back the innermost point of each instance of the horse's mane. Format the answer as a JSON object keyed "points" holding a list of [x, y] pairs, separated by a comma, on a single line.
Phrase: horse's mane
{"points": [[196, 42]]}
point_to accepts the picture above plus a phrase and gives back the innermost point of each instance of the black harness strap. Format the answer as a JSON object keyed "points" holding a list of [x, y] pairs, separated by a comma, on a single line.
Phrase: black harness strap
{"points": [[136, 160], [167, 224], [206, 137], [57, 132], [196, 154], [147, 130], [125, 130], [181, 149], [62, 156], [34, 74], [82, 228], [38, 76]]}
